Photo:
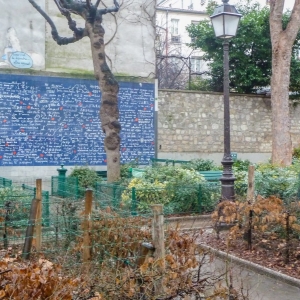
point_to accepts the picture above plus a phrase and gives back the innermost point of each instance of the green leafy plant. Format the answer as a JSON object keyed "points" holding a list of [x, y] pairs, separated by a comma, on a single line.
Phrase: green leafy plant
{"points": [[241, 182], [201, 165], [296, 153], [281, 182], [147, 193], [251, 51], [125, 168], [87, 177], [179, 189], [241, 165]]}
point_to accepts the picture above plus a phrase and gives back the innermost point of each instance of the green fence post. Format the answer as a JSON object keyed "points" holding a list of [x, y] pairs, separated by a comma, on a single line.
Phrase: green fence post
{"points": [[114, 196], [62, 181], [234, 156], [52, 185], [199, 194], [298, 194], [134, 204], [46, 209], [77, 194]]}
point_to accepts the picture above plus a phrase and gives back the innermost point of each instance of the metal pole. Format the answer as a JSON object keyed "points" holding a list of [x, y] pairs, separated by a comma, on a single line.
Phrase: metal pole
{"points": [[227, 179], [156, 120]]}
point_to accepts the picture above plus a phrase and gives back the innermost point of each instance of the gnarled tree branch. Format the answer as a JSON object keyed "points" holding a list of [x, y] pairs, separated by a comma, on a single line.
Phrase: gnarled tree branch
{"points": [[72, 24], [109, 10], [79, 33], [97, 3]]}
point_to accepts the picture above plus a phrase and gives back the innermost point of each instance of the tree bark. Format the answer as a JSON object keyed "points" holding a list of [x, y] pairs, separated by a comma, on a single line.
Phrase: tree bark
{"points": [[109, 111], [281, 138], [282, 43]]}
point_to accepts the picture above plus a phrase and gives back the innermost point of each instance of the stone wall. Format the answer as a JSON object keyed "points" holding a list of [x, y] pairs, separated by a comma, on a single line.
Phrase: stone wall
{"points": [[190, 124]]}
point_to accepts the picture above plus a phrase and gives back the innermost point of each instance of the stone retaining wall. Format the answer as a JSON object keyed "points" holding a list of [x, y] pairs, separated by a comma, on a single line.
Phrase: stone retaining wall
{"points": [[192, 122]]}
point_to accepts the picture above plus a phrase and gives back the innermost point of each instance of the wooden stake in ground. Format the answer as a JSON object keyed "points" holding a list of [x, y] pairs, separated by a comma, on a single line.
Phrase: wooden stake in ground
{"points": [[251, 200], [86, 255], [158, 237], [251, 186], [30, 230], [38, 223]]}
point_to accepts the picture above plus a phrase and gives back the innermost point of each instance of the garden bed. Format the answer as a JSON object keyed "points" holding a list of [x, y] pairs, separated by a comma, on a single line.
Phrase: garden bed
{"points": [[268, 253]]}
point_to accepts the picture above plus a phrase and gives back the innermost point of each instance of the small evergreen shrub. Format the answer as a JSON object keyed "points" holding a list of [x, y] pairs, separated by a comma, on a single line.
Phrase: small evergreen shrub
{"points": [[180, 190], [201, 165], [296, 153], [87, 177], [241, 165], [125, 168]]}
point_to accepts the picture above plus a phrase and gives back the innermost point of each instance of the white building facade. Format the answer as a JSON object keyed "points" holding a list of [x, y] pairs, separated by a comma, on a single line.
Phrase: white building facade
{"points": [[175, 56]]}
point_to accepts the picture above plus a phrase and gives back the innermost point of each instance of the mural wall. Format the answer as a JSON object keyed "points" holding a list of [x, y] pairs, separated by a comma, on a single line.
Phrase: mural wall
{"points": [[48, 121]]}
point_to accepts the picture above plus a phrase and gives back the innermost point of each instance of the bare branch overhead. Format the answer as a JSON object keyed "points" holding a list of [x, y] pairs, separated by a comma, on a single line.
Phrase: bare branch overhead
{"points": [[109, 10], [79, 33], [97, 3]]}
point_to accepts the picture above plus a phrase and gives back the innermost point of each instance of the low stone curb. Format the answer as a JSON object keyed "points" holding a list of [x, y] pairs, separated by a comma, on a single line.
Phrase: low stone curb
{"points": [[188, 218], [253, 266]]}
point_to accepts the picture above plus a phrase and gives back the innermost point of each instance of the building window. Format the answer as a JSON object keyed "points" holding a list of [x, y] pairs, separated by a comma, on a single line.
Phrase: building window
{"points": [[195, 64], [174, 26], [175, 39]]}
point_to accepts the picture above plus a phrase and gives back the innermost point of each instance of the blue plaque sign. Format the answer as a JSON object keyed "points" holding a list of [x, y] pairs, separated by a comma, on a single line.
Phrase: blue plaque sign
{"points": [[20, 60]]}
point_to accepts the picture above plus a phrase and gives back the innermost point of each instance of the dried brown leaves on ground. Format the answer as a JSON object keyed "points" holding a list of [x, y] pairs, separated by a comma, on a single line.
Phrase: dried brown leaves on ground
{"points": [[266, 232], [40, 279]]}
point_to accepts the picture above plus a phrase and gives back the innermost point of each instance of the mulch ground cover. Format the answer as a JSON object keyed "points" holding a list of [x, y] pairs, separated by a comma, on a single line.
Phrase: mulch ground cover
{"points": [[267, 251]]}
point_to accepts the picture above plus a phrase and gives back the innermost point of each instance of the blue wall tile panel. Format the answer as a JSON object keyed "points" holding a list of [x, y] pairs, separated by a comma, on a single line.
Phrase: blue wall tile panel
{"points": [[49, 121]]}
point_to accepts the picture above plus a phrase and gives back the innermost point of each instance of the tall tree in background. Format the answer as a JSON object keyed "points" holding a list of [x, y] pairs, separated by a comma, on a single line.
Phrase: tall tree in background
{"points": [[109, 111], [250, 51], [282, 45]]}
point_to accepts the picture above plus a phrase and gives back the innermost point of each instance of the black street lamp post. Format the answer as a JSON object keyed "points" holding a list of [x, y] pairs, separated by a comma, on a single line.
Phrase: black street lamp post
{"points": [[225, 20]]}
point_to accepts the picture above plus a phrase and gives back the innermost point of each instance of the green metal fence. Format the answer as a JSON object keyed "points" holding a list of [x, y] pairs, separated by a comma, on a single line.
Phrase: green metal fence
{"points": [[45, 202], [66, 187], [176, 199], [4, 182]]}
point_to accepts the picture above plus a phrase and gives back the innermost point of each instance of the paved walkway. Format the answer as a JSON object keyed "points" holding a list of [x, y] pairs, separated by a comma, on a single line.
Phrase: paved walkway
{"points": [[255, 285], [258, 287]]}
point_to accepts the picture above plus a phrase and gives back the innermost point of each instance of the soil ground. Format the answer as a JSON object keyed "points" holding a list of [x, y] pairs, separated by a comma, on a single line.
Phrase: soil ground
{"points": [[267, 252]]}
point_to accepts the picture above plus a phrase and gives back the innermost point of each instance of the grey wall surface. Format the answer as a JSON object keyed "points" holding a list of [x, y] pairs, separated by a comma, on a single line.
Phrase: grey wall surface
{"points": [[129, 38], [22, 29]]}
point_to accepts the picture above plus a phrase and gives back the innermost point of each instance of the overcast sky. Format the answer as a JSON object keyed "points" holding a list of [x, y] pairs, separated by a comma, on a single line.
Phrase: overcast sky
{"points": [[288, 4]]}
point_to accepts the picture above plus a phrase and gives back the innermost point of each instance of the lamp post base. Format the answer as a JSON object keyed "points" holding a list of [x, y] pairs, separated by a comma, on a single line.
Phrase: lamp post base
{"points": [[227, 179]]}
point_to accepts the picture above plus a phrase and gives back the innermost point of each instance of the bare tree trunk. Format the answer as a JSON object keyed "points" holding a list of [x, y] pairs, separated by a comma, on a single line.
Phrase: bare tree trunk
{"points": [[281, 138], [109, 111], [282, 43]]}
